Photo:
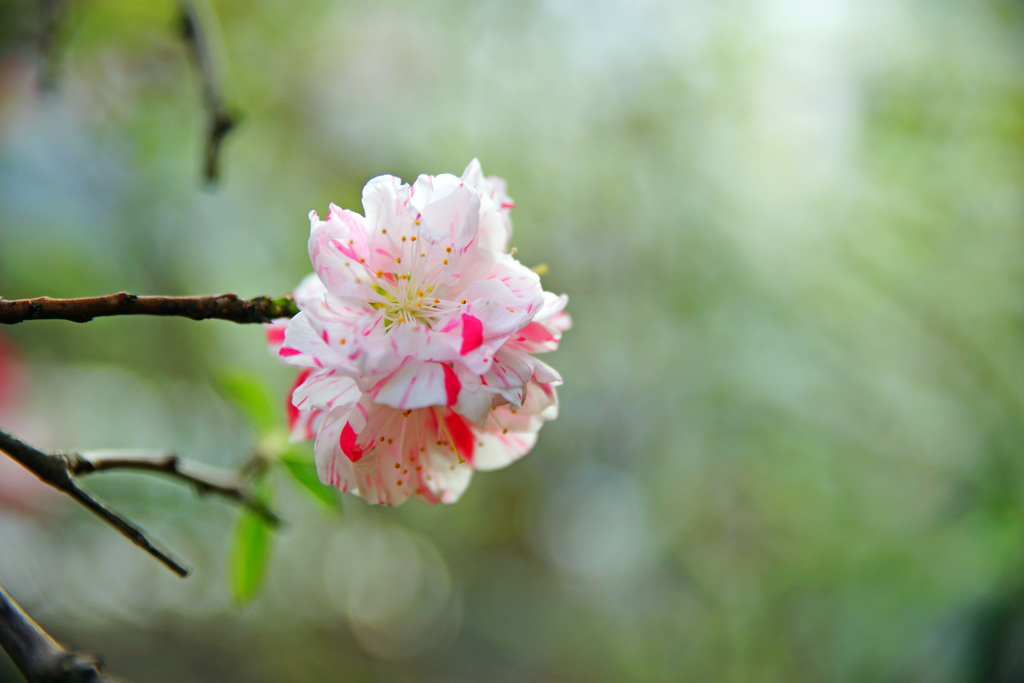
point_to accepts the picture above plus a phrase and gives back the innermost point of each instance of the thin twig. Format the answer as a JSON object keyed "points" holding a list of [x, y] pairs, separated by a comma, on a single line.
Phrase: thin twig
{"points": [[261, 309], [229, 484], [52, 14], [40, 658], [53, 469], [220, 122]]}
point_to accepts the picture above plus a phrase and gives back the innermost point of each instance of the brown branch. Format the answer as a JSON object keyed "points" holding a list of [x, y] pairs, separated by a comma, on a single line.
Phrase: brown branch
{"points": [[40, 658], [220, 122], [229, 484], [53, 469], [261, 309]]}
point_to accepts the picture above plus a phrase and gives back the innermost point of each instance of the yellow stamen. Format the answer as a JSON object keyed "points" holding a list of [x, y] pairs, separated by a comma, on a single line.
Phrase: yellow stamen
{"points": [[451, 441]]}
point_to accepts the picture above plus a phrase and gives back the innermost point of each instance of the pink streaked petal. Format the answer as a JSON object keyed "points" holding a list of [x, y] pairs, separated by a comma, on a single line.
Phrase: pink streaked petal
{"points": [[305, 335], [535, 332], [290, 409], [509, 373], [412, 385], [472, 333], [308, 425], [332, 465], [334, 260], [553, 304], [347, 442], [422, 343], [275, 334], [325, 389], [461, 435], [425, 488], [502, 310], [452, 385]]}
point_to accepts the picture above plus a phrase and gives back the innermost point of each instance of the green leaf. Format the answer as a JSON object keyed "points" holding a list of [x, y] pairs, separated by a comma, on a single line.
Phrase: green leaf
{"points": [[251, 396], [298, 463], [249, 557]]}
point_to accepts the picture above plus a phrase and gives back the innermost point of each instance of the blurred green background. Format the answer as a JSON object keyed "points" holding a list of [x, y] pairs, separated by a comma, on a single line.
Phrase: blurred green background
{"points": [[792, 233]]}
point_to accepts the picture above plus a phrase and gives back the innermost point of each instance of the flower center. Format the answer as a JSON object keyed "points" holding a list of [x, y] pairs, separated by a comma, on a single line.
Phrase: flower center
{"points": [[401, 301]]}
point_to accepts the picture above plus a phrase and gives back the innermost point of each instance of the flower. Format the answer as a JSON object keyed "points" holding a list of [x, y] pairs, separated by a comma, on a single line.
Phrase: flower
{"points": [[417, 333]]}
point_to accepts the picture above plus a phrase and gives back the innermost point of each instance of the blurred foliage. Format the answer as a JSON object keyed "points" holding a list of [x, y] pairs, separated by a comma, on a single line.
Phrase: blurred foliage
{"points": [[790, 445], [251, 396], [250, 554], [298, 462]]}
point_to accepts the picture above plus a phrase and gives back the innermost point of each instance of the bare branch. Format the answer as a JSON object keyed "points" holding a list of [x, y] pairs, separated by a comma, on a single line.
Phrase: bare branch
{"points": [[220, 122], [53, 469], [39, 657], [229, 484], [261, 309]]}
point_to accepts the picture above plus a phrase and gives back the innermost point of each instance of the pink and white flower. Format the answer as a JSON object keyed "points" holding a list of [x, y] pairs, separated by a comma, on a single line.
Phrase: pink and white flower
{"points": [[417, 334]]}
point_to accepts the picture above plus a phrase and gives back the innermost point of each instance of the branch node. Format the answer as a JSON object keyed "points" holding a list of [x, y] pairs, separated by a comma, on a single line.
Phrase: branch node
{"points": [[58, 470]]}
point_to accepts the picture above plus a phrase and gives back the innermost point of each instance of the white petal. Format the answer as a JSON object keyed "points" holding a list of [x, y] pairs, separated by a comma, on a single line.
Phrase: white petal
{"points": [[413, 385], [385, 203], [332, 465], [331, 250], [446, 477], [474, 403], [310, 290], [456, 215], [325, 389], [502, 449]]}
